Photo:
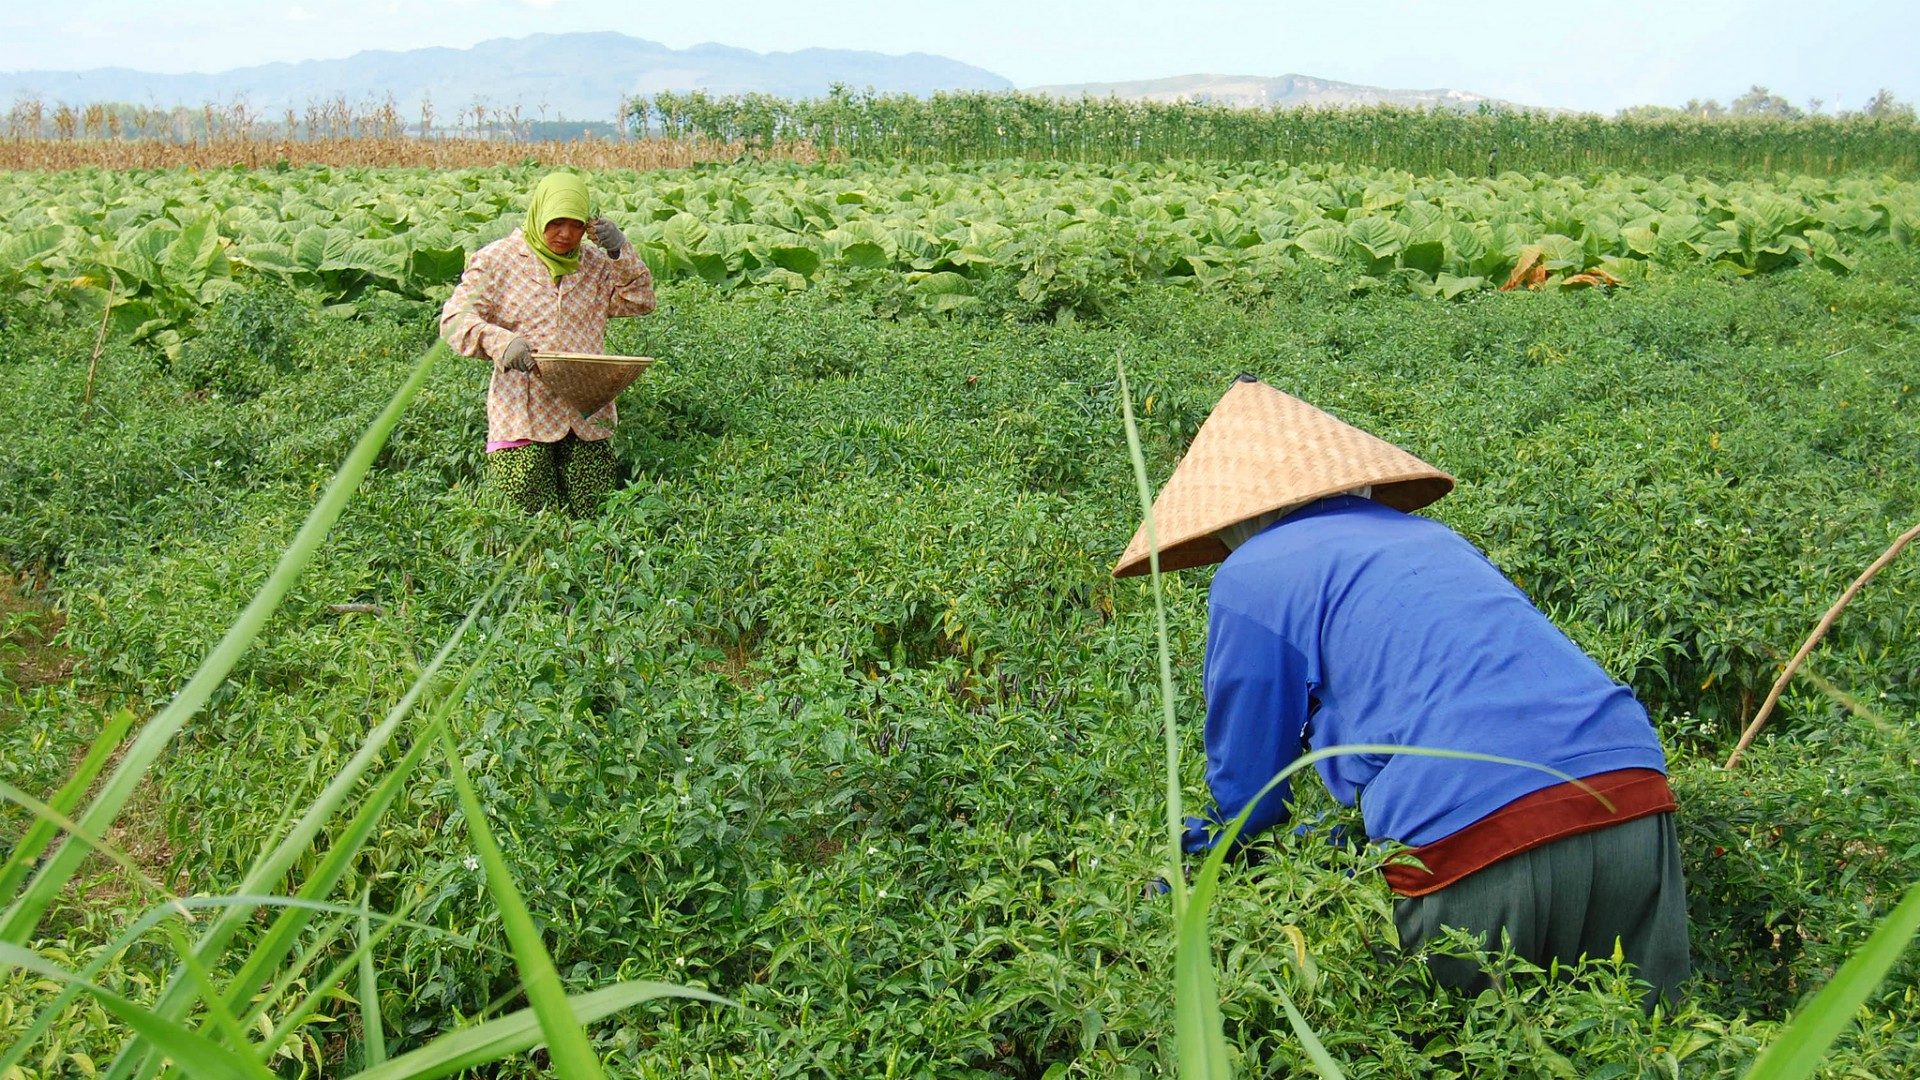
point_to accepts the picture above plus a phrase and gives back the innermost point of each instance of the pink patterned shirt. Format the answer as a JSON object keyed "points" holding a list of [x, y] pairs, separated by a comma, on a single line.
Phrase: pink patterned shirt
{"points": [[506, 291]]}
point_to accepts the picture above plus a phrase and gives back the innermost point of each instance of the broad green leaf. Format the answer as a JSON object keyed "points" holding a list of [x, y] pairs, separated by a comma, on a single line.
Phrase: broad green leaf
{"points": [[1381, 237], [1560, 252], [1328, 244], [1427, 257], [431, 265], [1826, 252], [194, 254], [710, 266], [30, 248], [864, 255], [778, 277], [942, 292], [799, 259]]}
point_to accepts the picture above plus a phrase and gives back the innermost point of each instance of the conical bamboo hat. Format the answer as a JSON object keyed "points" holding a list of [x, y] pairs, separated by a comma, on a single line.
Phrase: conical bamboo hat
{"points": [[1263, 450]]}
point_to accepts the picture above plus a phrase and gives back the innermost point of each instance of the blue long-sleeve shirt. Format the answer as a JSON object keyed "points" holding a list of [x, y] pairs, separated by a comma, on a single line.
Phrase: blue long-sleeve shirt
{"points": [[1349, 622]]}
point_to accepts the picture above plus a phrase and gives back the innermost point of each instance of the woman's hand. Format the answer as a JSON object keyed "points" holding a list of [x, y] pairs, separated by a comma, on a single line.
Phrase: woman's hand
{"points": [[517, 356], [607, 235]]}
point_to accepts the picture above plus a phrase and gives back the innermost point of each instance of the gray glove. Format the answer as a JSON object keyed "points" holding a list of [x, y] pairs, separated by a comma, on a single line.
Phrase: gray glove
{"points": [[517, 356], [608, 236]]}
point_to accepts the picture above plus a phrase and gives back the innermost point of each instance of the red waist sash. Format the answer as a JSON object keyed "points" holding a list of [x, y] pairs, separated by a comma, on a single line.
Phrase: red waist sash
{"points": [[1527, 822]]}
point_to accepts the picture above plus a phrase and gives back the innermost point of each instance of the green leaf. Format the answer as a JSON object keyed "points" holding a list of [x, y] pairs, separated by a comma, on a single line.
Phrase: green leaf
{"points": [[31, 248], [435, 266], [1327, 243], [1381, 237], [1559, 252], [942, 291], [518, 1031], [194, 254], [710, 266], [1427, 257], [317, 248], [371, 1026], [865, 255], [1826, 252], [20, 863], [800, 259]]}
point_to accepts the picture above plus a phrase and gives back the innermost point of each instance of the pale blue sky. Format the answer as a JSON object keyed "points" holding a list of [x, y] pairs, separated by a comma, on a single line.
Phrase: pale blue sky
{"points": [[1584, 54]]}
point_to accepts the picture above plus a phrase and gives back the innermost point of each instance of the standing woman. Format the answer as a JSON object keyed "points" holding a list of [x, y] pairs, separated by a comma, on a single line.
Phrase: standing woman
{"points": [[540, 289]]}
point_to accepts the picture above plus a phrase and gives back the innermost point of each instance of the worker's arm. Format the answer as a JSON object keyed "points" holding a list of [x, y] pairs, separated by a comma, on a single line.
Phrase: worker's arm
{"points": [[467, 321], [1257, 688]]}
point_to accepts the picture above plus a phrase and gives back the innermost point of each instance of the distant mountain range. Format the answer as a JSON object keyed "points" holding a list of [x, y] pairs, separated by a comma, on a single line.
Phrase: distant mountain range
{"points": [[1286, 91], [585, 76], [579, 76]]}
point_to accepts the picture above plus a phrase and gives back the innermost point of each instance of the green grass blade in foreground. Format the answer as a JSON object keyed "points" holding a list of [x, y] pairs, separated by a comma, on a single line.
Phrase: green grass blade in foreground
{"points": [[195, 1054], [24, 915], [327, 986], [1200, 1039], [60, 822], [1175, 820], [519, 1031], [13, 1055], [223, 1020], [43, 830], [1323, 1062], [267, 872], [1798, 1050], [344, 847], [374, 1035], [572, 1055]]}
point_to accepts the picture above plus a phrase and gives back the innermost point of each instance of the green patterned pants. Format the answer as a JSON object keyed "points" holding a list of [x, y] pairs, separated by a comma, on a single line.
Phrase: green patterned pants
{"points": [[572, 474]]}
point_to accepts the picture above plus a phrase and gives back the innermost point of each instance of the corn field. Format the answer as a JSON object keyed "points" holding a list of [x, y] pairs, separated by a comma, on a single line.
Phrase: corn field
{"points": [[670, 130], [973, 126]]}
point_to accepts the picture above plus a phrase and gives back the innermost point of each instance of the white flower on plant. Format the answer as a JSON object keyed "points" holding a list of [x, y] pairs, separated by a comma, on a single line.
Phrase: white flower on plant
{"points": [[471, 862], [883, 894]]}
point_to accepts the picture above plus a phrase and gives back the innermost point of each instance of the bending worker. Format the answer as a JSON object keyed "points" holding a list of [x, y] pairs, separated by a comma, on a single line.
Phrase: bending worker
{"points": [[539, 289], [1340, 618]]}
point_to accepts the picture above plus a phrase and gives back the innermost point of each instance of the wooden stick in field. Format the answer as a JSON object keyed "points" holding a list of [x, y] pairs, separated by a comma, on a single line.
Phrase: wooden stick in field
{"points": [[1820, 631], [99, 342]]}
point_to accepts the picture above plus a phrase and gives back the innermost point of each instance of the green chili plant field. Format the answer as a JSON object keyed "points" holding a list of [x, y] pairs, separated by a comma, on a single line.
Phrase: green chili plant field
{"points": [[834, 710]]}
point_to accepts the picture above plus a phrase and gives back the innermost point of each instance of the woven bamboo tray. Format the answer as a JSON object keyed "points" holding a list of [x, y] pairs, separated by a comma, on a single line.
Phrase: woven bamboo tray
{"points": [[588, 381]]}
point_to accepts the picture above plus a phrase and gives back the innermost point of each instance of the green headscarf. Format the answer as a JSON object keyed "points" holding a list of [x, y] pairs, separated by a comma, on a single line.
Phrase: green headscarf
{"points": [[557, 195]]}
